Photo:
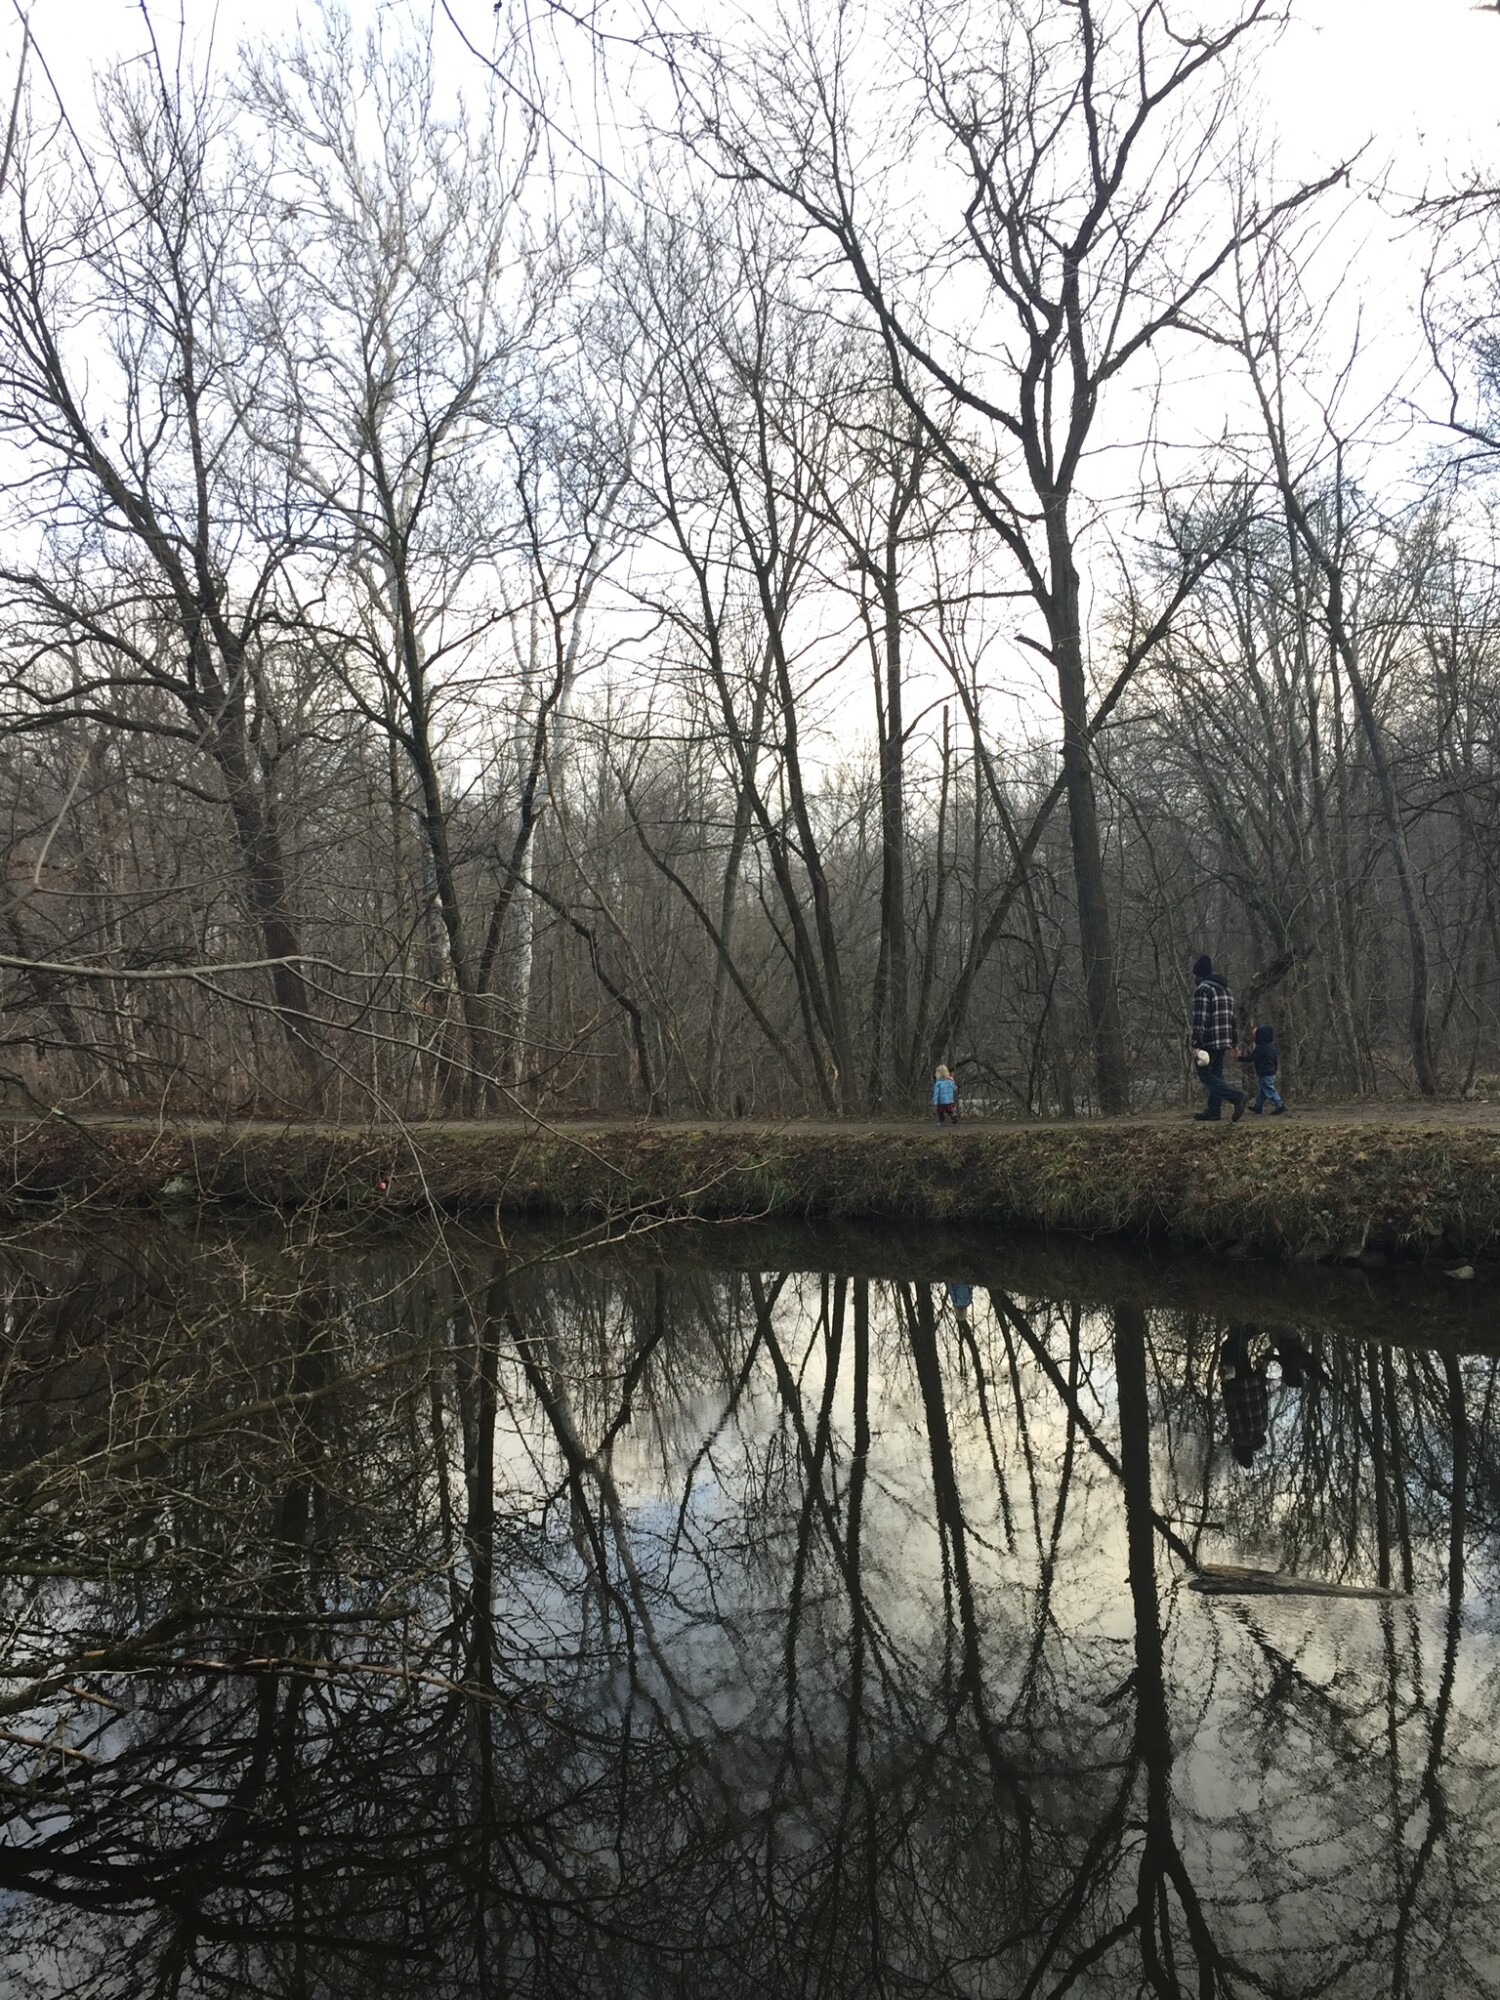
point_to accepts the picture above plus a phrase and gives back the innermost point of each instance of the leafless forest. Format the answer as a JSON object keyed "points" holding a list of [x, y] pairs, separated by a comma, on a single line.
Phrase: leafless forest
{"points": [[876, 553]]}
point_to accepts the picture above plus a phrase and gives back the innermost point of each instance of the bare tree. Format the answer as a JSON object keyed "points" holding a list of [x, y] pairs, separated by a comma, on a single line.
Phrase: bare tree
{"points": [[400, 296], [1077, 157], [146, 555], [1320, 522]]}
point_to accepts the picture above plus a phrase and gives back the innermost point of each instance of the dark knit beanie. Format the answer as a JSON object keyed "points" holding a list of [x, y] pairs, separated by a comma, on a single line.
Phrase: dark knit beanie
{"points": [[1202, 967]]}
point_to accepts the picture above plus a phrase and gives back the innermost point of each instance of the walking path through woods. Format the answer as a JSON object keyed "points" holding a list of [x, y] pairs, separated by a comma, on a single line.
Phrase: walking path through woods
{"points": [[1407, 1114]]}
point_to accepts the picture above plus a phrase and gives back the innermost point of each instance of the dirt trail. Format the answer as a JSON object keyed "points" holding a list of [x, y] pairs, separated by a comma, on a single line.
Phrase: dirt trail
{"points": [[1409, 1114]]}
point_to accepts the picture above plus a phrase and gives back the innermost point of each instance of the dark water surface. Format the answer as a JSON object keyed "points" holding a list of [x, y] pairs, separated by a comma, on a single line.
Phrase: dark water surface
{"points": [[740, 1614]]}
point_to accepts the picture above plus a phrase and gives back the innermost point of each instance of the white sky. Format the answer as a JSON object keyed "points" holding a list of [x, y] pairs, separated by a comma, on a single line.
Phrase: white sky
{"points": [[1416, 82], [1421, 78]]}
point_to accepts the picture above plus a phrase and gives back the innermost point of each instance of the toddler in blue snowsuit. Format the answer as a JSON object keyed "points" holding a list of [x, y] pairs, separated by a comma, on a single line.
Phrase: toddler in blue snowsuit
{"points": [[1266, 1059]]}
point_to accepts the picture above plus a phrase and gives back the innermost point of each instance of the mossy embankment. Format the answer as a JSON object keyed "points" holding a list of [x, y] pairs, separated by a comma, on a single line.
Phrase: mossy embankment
{"points": [[1302, 1190]]}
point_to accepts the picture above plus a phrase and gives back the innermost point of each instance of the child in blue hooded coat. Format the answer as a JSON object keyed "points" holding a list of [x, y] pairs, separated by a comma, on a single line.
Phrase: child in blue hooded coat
{"points": [[1266, 1059]]}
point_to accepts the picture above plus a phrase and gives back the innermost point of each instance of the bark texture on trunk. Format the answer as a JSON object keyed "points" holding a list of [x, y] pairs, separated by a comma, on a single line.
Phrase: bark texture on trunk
{"points": [[1095, 936]]}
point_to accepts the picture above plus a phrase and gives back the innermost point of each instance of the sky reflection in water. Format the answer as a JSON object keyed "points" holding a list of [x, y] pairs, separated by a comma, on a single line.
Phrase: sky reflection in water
{"points": [[422, 1618]]}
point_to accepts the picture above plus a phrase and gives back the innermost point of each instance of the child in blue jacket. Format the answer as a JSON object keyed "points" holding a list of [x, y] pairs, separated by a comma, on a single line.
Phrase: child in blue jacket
{"points": [[945, 1096], [1266, 1058]]}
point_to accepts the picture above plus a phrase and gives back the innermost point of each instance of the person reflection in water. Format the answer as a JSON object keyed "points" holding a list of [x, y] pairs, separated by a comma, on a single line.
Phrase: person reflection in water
{"points": [[1243, 1361], [961, 1298]]}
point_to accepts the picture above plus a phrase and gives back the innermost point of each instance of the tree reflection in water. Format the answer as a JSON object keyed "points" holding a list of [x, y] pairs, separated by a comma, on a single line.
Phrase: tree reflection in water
{"points": [[418, 1620]]}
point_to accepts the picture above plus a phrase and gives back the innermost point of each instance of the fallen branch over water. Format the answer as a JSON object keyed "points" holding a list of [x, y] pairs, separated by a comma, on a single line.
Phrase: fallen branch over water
{"points": [[1233, 1580]]}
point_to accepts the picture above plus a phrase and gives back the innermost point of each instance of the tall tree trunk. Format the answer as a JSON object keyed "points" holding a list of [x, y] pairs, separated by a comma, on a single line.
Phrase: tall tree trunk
{"points": [[1094, 932], [461, 1087], [729, 902], [1419, 1024], [891, 1052], [259, 840]]}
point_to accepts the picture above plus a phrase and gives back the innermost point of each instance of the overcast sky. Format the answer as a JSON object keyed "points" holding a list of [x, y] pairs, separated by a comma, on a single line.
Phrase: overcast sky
{"points": [[1419, 77], [1416, 81]]}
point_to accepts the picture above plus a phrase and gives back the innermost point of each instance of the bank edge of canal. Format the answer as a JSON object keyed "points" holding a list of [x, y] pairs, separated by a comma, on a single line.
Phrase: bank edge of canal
{"points": [[1310, 1192]]}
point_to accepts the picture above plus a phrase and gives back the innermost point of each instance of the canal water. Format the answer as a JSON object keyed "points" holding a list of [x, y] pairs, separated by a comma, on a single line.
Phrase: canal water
{"points": [[741, 1613]]}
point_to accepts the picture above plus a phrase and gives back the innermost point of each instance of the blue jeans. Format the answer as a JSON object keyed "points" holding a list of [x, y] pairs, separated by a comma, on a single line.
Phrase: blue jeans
{"points": [[1220, 1090], [1266, 1092]]}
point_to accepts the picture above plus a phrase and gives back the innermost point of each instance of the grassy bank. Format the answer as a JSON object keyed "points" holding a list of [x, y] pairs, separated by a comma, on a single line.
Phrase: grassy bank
{"points": [[1287, 1190]]}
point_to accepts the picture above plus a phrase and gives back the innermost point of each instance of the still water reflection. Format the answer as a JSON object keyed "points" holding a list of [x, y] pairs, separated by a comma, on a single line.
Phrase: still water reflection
{"points": [[740, 1616]]}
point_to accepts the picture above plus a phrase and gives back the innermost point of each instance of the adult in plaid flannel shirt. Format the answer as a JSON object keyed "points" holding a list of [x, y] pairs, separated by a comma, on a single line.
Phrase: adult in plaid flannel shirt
{"points": [[1242, 1384], [1214, 1031]]}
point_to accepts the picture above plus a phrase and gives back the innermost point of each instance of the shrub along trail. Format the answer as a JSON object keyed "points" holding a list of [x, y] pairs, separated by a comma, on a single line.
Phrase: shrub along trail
{"points": [[1411, 1181]]}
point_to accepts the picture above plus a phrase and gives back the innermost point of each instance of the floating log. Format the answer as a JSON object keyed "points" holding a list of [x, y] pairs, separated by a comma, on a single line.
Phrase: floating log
{"points": [[1236, 1580]]}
